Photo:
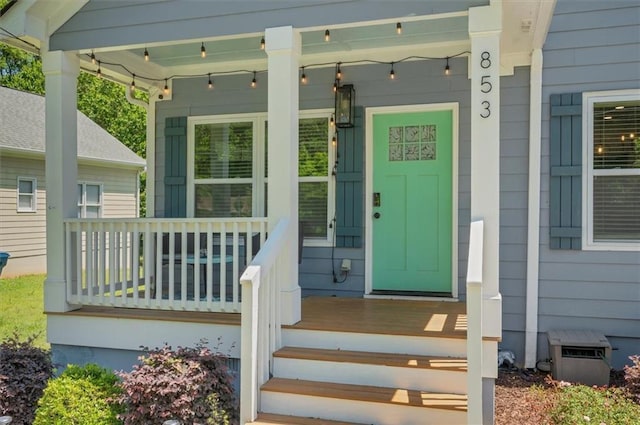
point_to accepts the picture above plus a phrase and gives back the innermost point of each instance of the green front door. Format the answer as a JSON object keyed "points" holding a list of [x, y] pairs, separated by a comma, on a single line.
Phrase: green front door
{"points": [[412, 204]]}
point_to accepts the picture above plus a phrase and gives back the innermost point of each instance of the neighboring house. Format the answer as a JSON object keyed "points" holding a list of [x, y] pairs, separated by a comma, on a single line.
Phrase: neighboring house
{"points": [[493, 163], [107, 179]]}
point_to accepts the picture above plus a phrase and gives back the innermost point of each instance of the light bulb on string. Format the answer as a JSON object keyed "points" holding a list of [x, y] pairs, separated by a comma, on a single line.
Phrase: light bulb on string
{"points": [[447, 69], [254, 82], [166, 87], [327, 35], [398, 28], [203, 51], [332, 121], [334, 141], [99, 71], [133, 83], [335, 86], [210, 82], [338, 73], [392, 74], [146, 55], [262, 43], [93, 58], [303, 77]]}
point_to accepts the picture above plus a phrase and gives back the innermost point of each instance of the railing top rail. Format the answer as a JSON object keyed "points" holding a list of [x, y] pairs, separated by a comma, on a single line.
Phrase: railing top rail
{"points": [[474, 263], [269, 252], [168, 220]]}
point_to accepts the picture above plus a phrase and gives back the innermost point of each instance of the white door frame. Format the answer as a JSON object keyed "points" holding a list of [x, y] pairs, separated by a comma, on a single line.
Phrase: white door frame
{"points": [[368, 198]]}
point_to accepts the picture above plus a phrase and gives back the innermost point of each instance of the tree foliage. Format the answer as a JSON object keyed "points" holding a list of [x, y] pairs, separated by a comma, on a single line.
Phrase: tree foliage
{"points": [[101, 100]]}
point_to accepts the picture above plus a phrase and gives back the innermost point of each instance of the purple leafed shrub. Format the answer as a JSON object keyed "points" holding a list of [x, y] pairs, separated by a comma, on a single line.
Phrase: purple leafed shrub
{"points": [[189, 384], [632, 376], [24, 372]]}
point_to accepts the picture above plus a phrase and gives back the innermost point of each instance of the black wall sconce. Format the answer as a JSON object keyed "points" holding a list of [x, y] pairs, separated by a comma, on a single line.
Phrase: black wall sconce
{"points": [[345, 106]]}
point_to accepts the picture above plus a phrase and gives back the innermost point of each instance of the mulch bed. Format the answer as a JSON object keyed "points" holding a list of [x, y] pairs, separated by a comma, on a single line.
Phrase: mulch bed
{"points": [[517, 403]]}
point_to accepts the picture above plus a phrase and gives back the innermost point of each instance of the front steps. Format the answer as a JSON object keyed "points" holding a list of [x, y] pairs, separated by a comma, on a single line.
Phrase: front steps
{"points": [[339, 378]]}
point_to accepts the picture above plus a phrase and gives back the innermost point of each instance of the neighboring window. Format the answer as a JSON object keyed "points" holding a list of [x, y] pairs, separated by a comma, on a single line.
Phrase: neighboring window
{"points": [[89, 200], [26, 197], [229, 166], [612, 177]]}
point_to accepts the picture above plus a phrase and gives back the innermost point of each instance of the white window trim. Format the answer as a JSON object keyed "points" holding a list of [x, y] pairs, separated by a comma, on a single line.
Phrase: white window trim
{"points": [[258, 179], [588, 101], [34, 195], [83, 204]]}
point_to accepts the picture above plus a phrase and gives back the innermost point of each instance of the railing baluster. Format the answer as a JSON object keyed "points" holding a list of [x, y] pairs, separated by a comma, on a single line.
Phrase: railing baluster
{"points": [[236, 266], [222, 283], [135, 267], [197, 258], [112, 263], [79, 261], [159, 260], [209, 266], [146, 249], [184, 265], [67, 264]]}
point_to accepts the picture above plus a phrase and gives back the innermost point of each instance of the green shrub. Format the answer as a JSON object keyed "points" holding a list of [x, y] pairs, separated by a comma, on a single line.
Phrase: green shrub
{"points": [[24, 372], [81, 395], [189, 384], [579, 404]]}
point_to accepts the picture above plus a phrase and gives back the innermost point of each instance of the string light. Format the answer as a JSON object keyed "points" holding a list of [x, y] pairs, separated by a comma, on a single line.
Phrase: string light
{"points": [[146, 55], [335, 86], [447, 69], [392, 74], [166, 87], [254, 82], [99, 71], [303, 77], [338, 73], [398, 28], [332, 122], [327, 35], [262, 43], [203, 51], [210, 84], [334, 141], [93, 58], [133, 83]]}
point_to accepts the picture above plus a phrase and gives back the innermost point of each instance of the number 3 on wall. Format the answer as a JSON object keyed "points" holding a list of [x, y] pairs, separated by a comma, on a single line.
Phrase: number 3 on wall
{"points": [[485, 84]]}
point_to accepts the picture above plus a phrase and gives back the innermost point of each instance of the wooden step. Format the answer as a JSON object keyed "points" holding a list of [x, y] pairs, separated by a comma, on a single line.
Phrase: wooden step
{"points": [[366, 393], [271, 418], [454, 364]]}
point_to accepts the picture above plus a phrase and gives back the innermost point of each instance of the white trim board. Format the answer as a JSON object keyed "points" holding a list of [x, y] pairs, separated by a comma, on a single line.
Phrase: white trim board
{"points": [[369, 114]]}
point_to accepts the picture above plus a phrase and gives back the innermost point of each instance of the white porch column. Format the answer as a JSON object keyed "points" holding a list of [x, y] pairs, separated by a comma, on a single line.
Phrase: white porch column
{"points": [[61, 72], [283, 47]]}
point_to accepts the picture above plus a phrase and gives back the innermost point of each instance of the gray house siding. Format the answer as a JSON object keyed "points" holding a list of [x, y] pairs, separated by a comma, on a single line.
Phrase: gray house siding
{"points": [[591, 46], [103, 23], [419, 82]]}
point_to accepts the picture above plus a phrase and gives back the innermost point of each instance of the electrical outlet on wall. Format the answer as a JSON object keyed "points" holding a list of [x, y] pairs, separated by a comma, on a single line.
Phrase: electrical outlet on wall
{"points": [[346, 265]]}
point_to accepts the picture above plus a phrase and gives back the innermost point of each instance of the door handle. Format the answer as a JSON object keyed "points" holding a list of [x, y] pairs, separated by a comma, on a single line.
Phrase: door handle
{"points": [[376, 215]]}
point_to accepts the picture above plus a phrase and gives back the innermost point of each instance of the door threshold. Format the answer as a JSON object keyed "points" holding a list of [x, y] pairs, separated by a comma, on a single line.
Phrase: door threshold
{"points": [[412, 295]]}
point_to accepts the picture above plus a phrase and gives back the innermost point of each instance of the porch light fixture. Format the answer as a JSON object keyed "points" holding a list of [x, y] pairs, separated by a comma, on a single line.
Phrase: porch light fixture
{"points": [[262, 43], [133, 83], [210, 83], [254, 82], [203, 51], [327, 35], [398, 28], [392, 74], [146, 55], [93, 58], [303, 77], [447, 70], [345, 106], [166, 87]]}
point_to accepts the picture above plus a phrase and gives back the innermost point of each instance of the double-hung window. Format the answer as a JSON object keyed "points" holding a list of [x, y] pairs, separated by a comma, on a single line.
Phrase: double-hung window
{"points": [[26, 194], [611, 177], [228, 170], [89, 200]]}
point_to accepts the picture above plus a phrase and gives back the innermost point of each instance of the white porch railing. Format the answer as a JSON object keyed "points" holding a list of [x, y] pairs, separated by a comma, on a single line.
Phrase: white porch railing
{"points": [[261, 333], [172, 264], [474, 323]]}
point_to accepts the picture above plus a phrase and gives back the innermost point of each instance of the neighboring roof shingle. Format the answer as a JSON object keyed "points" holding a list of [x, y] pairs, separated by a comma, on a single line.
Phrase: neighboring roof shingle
{"points": [[22, 127]]}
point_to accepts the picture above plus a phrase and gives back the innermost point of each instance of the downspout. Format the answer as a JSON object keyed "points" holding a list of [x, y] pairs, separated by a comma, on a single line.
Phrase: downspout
{"points": [[150, 148], [533, 221]]}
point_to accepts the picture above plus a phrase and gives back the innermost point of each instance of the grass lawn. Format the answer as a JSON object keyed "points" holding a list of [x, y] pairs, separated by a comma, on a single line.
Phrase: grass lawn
{"points": [[21, 308]]}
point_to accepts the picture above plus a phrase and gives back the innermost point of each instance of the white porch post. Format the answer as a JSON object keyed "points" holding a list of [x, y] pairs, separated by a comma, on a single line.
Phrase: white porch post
{"points": [[61, 72], [485, 27], [283, 47]]}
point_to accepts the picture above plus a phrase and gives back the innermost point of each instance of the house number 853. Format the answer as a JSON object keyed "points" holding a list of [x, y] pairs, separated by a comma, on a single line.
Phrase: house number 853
{"points": [[485, 84]]}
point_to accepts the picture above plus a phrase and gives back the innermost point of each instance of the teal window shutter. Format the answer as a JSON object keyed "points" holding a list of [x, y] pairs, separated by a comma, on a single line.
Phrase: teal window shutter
{"points": [[175, 162], [565, 182], [349, 183]]}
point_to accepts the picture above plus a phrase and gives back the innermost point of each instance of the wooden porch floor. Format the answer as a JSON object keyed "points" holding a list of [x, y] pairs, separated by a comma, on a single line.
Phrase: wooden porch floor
{"points": [[396, 317]]}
